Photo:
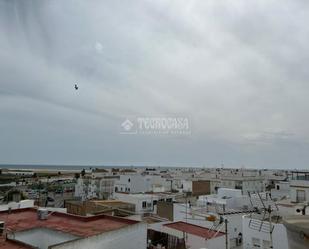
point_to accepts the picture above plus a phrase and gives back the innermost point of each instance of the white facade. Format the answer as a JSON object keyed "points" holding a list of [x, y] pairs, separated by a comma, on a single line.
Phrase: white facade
{"points": [[299, 191], [254, 239], [227, 198], [144, 203], [141, 184], [186, 185], [80, 189], [132, 184], [86, 189], [281, 190], [17, 205], [245, 184]]}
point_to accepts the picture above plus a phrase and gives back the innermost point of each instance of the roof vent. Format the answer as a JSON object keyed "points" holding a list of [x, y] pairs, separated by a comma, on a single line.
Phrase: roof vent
{"points": [[42, 214]]}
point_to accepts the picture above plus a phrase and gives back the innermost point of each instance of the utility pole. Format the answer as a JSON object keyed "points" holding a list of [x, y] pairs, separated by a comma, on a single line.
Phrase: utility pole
{"points": [[186, 207], [226, 235]]}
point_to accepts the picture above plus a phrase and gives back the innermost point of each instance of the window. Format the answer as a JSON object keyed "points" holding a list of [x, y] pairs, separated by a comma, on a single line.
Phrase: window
{"points": [[129, 180], [144, 204], [155, 202], [256, 243], [300, 196], [278, 187], [266, 244]]}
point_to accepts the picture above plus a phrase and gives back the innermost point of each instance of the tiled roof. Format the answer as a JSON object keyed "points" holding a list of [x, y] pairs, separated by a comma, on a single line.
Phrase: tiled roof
{"points": [[24, 219], [194, 229]]}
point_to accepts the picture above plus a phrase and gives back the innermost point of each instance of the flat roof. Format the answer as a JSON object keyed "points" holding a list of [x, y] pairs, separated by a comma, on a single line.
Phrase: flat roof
{"points": [[297, 223], [108, 202], [24, 219], [241, 178], [194, 229]]}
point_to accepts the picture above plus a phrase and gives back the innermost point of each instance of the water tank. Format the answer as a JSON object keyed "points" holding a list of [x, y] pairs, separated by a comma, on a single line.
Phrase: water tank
{"points": [[211, 218], [42, 214]]}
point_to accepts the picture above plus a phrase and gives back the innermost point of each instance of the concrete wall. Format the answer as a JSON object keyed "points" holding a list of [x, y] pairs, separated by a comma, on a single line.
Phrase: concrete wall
{"points": [[17, 205], [75, 207], [281, 190], [299, 185], [138, 200], [186, 185], [165, 210], [253, 186], [131, 237], [201, 187]]}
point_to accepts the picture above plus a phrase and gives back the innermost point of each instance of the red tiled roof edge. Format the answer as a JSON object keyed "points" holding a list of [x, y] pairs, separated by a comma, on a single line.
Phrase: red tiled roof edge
{"points": [[189, 224], [73, 216]]}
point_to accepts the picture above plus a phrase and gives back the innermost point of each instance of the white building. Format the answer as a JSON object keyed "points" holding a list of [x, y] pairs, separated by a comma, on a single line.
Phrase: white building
{"points": [[144, 203], [140, 184], [299, 186], [213, 215], [226, 199], [91, 188], [253, 238], [81, 189], [244, 183], [24, 228], [281, 190]]}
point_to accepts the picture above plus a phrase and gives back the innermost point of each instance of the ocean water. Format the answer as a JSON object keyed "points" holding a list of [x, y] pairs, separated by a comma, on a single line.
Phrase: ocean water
{"points": [[56, 167]]}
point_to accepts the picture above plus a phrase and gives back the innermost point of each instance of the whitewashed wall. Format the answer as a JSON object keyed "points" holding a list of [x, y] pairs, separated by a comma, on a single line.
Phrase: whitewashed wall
{"points": [[279, 236], [17, 205]]}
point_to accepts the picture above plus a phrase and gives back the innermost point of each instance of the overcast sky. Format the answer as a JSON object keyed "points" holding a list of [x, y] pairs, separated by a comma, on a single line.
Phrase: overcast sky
{"points": [[237, 69]]}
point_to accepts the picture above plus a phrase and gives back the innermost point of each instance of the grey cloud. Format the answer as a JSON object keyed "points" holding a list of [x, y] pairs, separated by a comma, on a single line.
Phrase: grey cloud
{"points": [[237, 69]]}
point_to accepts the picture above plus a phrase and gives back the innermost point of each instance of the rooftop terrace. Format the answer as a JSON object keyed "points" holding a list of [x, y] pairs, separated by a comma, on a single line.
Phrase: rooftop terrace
{"points": [[26, 219]]}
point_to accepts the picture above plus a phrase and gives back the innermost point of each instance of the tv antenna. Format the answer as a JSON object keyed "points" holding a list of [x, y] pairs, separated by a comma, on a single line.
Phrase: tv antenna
{"points": [[267, 213]]}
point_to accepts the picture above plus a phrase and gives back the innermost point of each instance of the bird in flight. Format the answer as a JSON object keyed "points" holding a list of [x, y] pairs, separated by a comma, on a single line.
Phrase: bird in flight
{"points": [[76, 87]]}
